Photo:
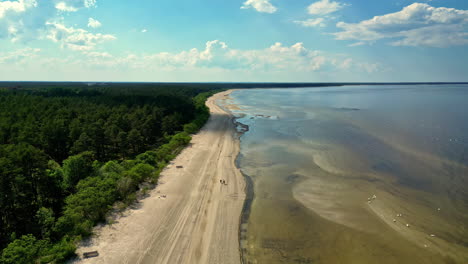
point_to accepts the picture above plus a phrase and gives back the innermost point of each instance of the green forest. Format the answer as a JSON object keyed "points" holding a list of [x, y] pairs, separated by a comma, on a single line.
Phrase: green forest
{"points": [[70, 152]]}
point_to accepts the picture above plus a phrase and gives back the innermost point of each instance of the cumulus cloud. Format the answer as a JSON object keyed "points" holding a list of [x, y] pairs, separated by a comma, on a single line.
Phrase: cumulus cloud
{"points": [[324, 7], [93, 23], [217, 54], [215, 61], [418, 24], [76, 38], [74, 5], [63, 6], [19, 19], [25, 20], [263, 6], [15, 6], [144, 30], [89, 3], [311, 22]]}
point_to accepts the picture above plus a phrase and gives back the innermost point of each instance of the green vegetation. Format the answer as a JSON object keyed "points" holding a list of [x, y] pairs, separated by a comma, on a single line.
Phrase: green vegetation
{"points": [[68, 155]]}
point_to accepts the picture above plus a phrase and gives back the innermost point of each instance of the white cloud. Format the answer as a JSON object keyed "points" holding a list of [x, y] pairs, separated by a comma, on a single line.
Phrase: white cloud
{"points": [[311, 22], [93, 23], [218, 55], [144, 30], [350, 65], [346, 64], [370, 67], [324, 7], [89, 3], [263, 6], [62, 6], [415, 25], [96, 54], [15, 6], [440, 36], [216, 61], [74, 5], [22, 19], [25, 20], [76, 39], [18, 56]]}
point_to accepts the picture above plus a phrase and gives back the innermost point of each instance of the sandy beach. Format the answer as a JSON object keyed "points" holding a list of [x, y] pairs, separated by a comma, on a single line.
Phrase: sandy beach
{"points": [[190, 217]]}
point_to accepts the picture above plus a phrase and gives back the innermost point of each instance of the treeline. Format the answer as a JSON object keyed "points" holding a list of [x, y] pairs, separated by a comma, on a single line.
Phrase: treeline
{"points": [[111, 127], [68, 155]]}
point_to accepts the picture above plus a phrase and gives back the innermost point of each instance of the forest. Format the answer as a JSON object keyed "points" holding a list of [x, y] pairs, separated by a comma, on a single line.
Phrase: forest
{"points": [[69, 153]]}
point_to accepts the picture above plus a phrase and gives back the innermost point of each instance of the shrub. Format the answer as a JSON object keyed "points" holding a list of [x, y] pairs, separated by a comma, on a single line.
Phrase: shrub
{"points": [[149, 157], [59, 252], [142, 172], [191, 128], [23, 251], [125, 186], [76, 168]]}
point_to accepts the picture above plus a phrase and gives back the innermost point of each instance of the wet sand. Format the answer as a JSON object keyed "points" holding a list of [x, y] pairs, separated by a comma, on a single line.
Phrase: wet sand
{"points": [[315, 172], [190, 217], [326, 218]]}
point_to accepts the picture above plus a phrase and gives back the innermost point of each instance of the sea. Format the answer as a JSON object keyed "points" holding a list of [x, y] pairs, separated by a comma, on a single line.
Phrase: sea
{"points": [[354, 174]]}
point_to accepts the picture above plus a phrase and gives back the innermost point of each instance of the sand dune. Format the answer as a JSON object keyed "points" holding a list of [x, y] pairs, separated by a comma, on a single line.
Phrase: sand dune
{"points": [[190, 217]]}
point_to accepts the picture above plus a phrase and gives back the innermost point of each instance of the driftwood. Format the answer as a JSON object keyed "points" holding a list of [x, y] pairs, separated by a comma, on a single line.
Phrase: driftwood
{"points": [[179, 167], [90, 254]]}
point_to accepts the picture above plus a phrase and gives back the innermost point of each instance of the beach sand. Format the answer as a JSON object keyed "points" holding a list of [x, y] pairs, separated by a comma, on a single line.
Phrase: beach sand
{"points": [[190, 217]]}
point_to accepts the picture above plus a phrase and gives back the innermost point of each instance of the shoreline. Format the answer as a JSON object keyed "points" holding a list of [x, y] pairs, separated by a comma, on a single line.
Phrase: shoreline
{"points": [[241, 129], [189, 217], [321, 203]]}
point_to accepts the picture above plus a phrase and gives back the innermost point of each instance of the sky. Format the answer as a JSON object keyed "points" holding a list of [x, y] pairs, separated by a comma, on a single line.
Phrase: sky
{"points": [[234, 40]]}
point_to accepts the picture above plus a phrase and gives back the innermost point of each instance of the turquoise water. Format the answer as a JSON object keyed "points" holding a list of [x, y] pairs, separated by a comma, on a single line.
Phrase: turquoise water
{"points": [[317, 157]]}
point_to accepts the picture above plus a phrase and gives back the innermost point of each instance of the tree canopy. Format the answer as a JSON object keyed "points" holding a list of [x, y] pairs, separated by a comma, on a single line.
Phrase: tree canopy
{"points": [[68, 154]]}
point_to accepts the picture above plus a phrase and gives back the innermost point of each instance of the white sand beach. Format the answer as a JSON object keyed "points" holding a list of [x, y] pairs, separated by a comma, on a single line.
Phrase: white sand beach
{"points": [[190, 217]]}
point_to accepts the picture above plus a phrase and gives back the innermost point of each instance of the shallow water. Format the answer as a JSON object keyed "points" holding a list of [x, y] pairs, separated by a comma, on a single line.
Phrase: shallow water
{"points": [[317, 157]]}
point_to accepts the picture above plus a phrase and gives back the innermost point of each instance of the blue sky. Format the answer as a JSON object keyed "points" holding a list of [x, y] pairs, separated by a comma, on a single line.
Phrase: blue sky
{"points": [[235, 40]]}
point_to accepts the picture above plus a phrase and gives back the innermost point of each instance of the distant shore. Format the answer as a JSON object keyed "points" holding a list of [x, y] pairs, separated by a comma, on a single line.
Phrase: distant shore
{"points": [[190, 217]]}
